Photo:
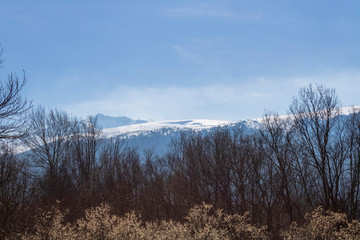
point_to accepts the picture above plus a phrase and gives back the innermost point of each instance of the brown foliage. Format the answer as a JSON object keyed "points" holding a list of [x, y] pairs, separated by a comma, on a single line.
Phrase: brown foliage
{"points": [[321, 224], [202, 222]]}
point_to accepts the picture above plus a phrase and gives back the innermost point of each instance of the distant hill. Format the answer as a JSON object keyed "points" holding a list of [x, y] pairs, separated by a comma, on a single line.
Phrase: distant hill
{"points": [[113, 122], [157, 135]]}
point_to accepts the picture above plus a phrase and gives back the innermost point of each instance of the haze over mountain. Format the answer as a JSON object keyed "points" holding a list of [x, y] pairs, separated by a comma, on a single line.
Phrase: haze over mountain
{"points": [[157, 135], [104, 121]]}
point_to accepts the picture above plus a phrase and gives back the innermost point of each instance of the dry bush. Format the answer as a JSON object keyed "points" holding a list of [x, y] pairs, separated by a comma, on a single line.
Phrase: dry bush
{"points": [[324, 225], [49, 225], [205, 222], [128, 227], [167, 230], [239, 227], [99, 223], [202, 222]]}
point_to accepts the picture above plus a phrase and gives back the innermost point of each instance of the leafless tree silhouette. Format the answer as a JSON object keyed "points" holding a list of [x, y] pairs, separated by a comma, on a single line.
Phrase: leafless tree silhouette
{"points": [[13, 107]]}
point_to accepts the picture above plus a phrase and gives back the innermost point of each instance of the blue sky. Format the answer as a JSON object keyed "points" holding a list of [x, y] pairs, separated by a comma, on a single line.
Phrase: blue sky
{"points": [[226, 60]]}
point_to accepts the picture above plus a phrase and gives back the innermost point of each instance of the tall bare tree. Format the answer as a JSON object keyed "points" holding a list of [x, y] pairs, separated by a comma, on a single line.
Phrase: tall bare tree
{"points": [[85, 145], [315, 115], [14, 175], [13, 107], [48, 140], [352, 175], [15, 193]]}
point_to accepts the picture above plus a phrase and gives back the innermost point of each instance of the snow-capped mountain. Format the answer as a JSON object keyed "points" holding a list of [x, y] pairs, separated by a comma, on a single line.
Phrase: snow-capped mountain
{"points": [[157, 135], [178, 125], [104, 121]]}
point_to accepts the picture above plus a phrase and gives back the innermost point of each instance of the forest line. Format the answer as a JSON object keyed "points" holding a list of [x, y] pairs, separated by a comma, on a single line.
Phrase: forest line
{"points": [[288, 167]]}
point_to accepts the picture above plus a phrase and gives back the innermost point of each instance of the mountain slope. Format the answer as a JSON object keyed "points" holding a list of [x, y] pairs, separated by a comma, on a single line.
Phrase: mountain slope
{"points": [[104, 121], [157, 135]]}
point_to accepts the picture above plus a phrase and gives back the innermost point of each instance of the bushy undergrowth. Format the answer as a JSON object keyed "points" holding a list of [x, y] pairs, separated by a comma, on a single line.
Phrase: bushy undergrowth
{"points": [[201, 222], [321, 224]]}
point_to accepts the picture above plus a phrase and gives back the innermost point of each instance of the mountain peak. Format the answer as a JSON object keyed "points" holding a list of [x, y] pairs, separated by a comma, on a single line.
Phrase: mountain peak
{"points": [[105, 121]]}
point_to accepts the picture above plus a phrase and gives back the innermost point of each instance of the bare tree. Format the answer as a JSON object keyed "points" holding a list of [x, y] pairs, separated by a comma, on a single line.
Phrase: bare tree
{"points": [[14, 176], [315, 120], [352, 176], [85, 145], [13, 107], [15, 191], [48, 141]]}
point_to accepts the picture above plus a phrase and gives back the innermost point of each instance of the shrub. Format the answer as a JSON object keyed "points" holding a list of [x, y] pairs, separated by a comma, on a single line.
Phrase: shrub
{"points": [[323, 224], [49, 225], [202, 222]]}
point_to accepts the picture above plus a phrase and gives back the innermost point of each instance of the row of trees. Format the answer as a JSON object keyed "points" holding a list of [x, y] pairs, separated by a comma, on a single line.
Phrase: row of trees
{"points": [[287, 167]]}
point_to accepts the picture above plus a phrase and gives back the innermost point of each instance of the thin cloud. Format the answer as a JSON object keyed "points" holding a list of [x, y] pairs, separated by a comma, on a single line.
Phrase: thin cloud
{"points": [[223, 102], [189, 56], [157, 103], [218, 101], [200, 11]]}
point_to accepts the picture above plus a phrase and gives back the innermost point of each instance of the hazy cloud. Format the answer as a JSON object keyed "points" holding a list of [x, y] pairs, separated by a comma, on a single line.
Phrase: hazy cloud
{"points": [[213, 11], [218, 101], [190, 56]]}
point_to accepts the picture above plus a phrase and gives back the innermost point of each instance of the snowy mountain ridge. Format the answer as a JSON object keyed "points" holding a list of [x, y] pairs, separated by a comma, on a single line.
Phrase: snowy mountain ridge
{"points": [[157, 135], [130, 128], [342, 111], [176, 125], [111, 122]]}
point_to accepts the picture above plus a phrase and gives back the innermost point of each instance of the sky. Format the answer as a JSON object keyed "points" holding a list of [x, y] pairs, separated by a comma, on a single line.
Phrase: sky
{"points": [[184, 59]]}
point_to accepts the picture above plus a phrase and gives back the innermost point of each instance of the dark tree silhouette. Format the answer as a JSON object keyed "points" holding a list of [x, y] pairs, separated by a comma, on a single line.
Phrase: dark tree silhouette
{"points": [[319, 131], [13, 107], [48, 141], [15, 192]]}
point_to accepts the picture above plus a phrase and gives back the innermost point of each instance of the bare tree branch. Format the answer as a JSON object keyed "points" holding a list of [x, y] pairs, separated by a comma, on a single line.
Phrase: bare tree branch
{"points": [[13, 108]]}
